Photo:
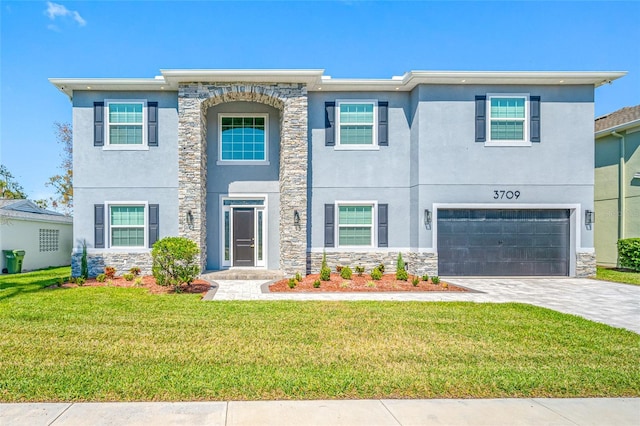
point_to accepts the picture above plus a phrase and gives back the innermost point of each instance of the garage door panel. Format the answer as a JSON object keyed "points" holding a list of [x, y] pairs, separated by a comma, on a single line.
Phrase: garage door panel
{"points": [[503, 242]]}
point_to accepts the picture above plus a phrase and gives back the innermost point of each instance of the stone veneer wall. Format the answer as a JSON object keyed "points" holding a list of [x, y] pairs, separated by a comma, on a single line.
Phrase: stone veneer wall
{"points": [[585, 265], [121, 261], [194, 99], [419, 263]]}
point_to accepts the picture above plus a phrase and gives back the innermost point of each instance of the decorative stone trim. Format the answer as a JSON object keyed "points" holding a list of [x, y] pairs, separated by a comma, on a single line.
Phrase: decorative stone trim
{"points": [[418, 263], [585, 265], [122, 261], [194, 99]]}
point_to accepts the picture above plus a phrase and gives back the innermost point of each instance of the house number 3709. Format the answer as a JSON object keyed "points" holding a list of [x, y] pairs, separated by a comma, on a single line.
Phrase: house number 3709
{"points": [[502, 194]]}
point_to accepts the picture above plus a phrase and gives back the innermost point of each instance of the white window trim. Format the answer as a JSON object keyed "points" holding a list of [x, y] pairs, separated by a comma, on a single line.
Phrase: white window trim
{"points": [[107, 125], [350, 147], [374, 222], [107, 208], [265, 228], [264, 162], [505, 142]]}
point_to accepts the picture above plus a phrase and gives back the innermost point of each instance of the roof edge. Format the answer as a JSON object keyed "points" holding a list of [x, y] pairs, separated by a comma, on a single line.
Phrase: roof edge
{"points": [[617, 128]]}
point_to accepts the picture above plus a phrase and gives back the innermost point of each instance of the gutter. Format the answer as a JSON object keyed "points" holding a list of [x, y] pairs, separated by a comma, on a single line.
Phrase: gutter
{"points": [[621, 187]]}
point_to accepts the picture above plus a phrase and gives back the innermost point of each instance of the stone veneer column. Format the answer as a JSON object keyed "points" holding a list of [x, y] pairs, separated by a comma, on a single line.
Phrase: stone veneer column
{"points": [[192, 168], [291, 99]]}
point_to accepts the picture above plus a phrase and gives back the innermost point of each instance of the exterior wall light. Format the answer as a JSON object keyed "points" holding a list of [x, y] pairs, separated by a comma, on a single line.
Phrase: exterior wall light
{"points": [[189, 219], [427, 218], [589, 217], [296, 217]]}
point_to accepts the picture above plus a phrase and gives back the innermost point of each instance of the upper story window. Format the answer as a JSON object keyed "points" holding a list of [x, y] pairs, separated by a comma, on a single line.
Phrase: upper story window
{"points": [[508, 120], [243, 138], [357, 124], [125, 123]]}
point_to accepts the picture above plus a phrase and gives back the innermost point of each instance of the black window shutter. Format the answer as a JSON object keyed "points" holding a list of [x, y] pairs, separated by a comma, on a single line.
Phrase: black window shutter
{"points": [[534, 102], [329, 218], [98, 225], [481, 118], [329, 123], [383, 126], [154, 223], [98, 124], [383, 225], [152, 123]]}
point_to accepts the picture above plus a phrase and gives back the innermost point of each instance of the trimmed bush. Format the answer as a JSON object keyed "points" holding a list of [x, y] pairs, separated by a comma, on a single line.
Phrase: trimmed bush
{"points": [[346, 273], [101, 278], [401, 274], [128, 276], [175, 261], [376, 274], [316, 284], [325, 272], [629, 253]]}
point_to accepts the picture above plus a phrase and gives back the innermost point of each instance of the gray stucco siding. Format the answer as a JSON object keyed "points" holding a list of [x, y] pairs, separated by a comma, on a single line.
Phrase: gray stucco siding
{"points": [[95, 166]]}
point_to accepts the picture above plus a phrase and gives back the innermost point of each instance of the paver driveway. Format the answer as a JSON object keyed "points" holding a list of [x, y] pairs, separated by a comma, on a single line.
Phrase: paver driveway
{"points": [[606, 302]]}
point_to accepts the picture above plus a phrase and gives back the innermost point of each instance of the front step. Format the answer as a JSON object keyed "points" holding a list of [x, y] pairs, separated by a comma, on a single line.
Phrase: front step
{"points": [[242, 274]]}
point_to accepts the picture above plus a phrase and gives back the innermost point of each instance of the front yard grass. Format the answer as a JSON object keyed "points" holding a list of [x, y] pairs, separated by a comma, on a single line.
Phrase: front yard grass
{"points": [[618, 276], [124, 344]]}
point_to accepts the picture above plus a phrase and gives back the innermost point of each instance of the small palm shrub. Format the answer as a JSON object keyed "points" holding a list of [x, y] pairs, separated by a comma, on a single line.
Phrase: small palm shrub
{"points": [[425, 277], [128, 276], [298, 277], [415, 281], [435, 279]]}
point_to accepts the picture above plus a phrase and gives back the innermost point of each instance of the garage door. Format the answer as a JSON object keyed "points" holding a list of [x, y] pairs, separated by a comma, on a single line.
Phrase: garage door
{"points": [[503, 242]]}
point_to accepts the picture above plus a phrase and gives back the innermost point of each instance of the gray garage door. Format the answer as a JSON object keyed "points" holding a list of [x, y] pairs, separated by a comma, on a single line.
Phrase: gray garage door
{"points": [[503, 242]]}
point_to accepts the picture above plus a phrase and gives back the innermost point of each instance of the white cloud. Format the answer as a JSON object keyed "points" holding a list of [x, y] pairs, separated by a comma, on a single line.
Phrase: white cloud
{"points": [[55, 10]]}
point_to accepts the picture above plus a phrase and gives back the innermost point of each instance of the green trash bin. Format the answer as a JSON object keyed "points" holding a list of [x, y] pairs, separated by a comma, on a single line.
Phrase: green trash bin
{"points": [[14, 260]]}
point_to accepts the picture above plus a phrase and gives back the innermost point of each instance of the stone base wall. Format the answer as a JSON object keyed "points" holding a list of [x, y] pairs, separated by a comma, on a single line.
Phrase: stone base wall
{"points": [[418, 263], [585, 265], [121, 261]]}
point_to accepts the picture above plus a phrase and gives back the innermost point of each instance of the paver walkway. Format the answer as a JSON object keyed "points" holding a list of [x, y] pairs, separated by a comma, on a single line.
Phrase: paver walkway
{"points": [[606, 302], [493, 412]]}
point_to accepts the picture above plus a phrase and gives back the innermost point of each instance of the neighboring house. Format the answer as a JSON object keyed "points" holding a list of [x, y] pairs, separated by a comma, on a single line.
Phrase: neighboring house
{"points": [[617, 188], [45, 235], [465, 173]]}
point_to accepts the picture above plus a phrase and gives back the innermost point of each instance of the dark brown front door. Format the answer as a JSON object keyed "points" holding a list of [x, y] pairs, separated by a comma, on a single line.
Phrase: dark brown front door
{"points": [[243, 237]]}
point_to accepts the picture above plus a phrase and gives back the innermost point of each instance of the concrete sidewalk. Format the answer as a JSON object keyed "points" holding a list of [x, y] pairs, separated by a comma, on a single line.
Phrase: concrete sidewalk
{"points": [[490, 412]]}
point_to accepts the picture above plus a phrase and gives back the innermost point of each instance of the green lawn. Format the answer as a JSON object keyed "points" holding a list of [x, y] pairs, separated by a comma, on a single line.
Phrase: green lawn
{"points": [[115, 344], [627, 277]]}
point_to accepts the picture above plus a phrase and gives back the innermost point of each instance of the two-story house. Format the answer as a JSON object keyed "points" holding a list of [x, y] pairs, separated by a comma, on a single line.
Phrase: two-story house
{"points": [[464, 173]]}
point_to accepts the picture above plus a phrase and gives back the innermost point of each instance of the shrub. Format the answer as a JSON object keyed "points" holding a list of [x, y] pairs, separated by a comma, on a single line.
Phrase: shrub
{"points": [[316, 284], [381, 267], [346, 273], [629, 253], [425, 277], [101, 278], [84, 266], [325, 272], [360, 270], [415, 281], [110, 272], [80, 281], [128, 276], [435, 279], [135, 271], [138, 282], [401, 273], [376, 274], [370, 284], [292, 283], [338, 268], [298, 277], [175, 261]]}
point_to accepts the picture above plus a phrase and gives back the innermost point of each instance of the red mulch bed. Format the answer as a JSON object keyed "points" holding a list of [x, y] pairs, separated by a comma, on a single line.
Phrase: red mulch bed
{"points": [[148, 282], [357, 284]]}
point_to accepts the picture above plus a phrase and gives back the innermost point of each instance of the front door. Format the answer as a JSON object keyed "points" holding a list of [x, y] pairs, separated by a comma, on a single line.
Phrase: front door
{"points": [[243, 237]]}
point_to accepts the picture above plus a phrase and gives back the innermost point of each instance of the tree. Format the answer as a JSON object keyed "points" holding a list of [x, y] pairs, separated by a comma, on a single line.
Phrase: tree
{"points": [[63, 183], [9, 188]]}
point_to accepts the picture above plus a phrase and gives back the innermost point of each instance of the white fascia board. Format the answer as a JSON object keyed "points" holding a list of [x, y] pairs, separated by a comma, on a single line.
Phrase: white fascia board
{"points": [[309, 77], [68, 85], [619, 128], [410, 80]]}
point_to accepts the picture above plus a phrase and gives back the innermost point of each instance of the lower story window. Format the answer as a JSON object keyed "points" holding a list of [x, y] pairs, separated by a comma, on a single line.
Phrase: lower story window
{"points": [[127, 226], [355, 225]]}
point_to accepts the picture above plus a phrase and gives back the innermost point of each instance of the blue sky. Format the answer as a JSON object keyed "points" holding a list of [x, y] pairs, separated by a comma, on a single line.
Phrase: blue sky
{"points": [[40, 39]]}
